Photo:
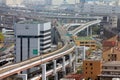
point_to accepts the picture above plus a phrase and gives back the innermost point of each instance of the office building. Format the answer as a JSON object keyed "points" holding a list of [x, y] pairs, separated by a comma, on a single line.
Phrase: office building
{"points": [[32, 39]]}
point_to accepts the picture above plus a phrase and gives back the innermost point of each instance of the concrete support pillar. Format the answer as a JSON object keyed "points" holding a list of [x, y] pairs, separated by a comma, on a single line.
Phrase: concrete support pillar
{"points": [[56, 76], [47, 78], [63, 66], [70, 60], [0, 20], [87, 31], [91, 31], [74, 66], [83, 52], [76, 55], [43, 71], [55, 72], [23, 76]]}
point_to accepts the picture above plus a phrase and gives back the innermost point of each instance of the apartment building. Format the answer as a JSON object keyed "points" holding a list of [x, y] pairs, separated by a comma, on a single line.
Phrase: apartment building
{"points": [[91, 69], [110, 71], [85, 41], [111, 49]]}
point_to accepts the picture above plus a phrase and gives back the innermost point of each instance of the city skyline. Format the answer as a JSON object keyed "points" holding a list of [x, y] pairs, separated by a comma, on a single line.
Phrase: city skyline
{"points": [[58, 2]]}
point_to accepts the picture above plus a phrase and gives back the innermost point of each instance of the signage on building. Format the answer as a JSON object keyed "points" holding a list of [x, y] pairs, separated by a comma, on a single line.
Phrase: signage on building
{"points": [[35, 51]]}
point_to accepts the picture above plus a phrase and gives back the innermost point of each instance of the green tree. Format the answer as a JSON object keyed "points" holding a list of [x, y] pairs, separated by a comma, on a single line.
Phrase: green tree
{"points": [[1, 37]]}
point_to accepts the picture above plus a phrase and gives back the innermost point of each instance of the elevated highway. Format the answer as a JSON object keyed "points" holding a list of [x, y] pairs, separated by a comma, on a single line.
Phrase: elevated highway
{"points": [[43, 59], [74, 32], [67, 26], [42, 14], [68, 49], [18, 67], [52, 70]]}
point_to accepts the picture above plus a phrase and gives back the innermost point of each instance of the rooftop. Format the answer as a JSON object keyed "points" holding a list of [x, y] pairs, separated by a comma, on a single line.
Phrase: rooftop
{"points": [[84, 38], [112, 63], [32, 22]]}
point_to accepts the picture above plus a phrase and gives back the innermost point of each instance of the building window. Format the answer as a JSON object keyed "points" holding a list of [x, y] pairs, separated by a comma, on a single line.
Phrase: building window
{"points": [[91, 72], [86, 67], [89, 78], [105, 67], [42, 36], [86, 63], [115, 67], [45, 31], [86, 72], [91, 64], [45, 44], [45, 39], [91, 68], [45, 48]]}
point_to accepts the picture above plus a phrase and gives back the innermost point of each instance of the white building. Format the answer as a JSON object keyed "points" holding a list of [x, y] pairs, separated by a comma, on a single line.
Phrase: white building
{"points": [[113, 21], [32, 39], [99, 9], [12, 2]]}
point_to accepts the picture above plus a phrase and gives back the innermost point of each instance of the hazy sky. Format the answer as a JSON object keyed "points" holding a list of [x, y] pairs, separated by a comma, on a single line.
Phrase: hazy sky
{"points": [[57, 2]]}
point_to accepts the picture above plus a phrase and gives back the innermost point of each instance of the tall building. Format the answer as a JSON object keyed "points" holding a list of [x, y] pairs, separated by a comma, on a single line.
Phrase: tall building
{"points": [[32, 39], [48, 2], [12, 2], [82, 1]]}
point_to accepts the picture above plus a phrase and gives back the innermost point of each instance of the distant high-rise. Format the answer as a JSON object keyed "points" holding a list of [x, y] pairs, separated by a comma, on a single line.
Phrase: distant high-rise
{"points": [[12, 2], [82, 1], [48, 2], [64, 1]]}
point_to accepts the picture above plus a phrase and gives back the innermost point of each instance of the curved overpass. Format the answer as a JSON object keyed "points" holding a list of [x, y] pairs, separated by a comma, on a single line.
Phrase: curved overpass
{"points": [[51, 71], [18, 67], [67, 26], [21, 66], [74, 32]]}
